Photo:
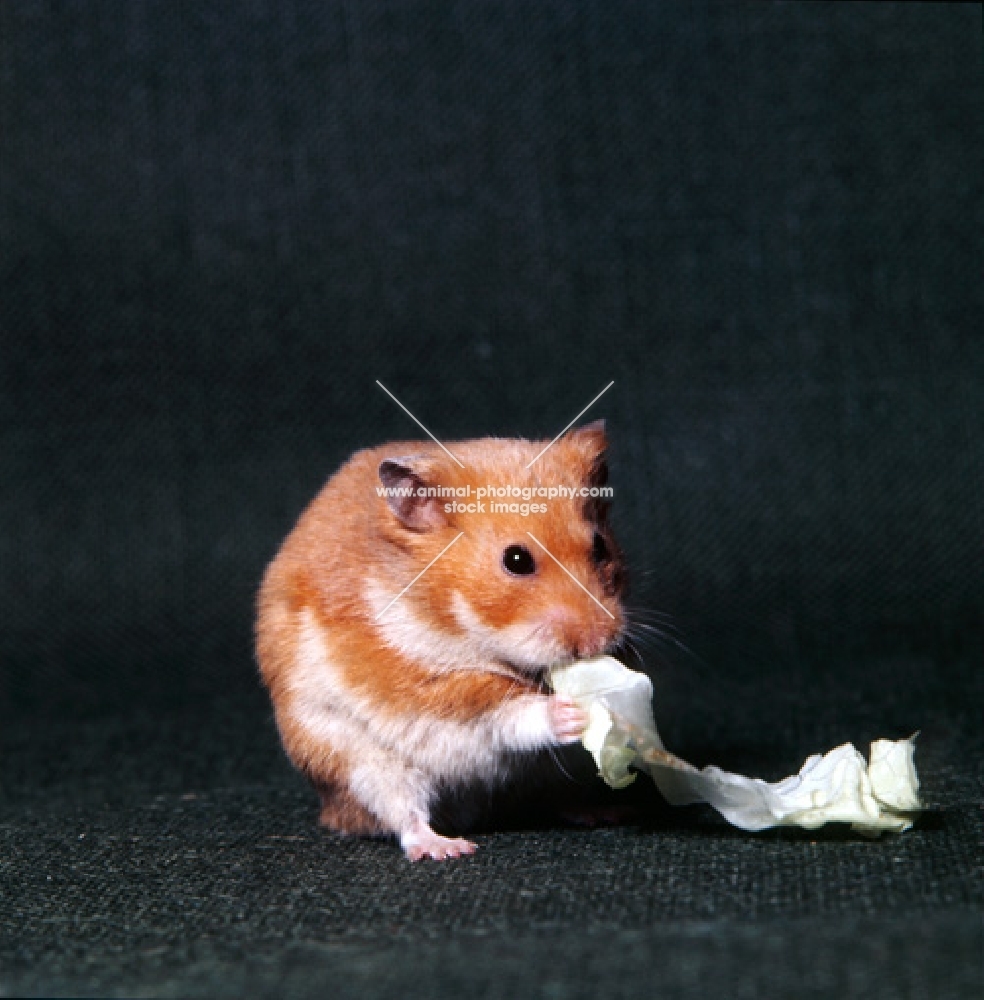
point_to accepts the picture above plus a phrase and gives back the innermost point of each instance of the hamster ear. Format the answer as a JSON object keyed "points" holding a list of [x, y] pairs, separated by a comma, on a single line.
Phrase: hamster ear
{"points": [[403, 478], [592, 442], [595, 427], [591, 437]]}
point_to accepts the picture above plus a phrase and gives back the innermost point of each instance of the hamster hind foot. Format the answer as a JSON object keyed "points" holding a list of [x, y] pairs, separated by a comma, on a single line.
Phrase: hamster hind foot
{"points": [[420, 841]]}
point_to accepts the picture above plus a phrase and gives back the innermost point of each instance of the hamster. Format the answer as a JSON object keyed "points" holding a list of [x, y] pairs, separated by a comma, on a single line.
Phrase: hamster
{"points": [[404, 639]]}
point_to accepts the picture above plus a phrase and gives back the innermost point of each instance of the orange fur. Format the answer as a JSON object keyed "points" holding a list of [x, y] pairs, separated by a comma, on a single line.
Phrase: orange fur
{"points": [[323, 646]]}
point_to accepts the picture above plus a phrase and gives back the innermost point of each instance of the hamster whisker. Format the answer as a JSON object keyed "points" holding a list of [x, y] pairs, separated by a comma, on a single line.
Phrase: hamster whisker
{"points": [[555, 757], [662, 640], [645, 632], [657, 632], [633, 645], [646, 650], [530, 635], [638, 614], [626, 643], [649, 614]]}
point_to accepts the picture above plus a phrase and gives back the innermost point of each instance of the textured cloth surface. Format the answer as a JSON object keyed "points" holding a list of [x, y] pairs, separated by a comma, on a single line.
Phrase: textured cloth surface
{"points": [[180, 857], [221, 223]]}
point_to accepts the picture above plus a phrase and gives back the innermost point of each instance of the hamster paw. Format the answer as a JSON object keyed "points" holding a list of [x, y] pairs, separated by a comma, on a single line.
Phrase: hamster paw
{"points": [[567, 719], [425, 843]]}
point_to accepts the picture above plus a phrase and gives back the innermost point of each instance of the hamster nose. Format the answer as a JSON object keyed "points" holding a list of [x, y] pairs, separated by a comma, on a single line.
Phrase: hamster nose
{"points": [[589, 645], [586, 643], [578, 639]]}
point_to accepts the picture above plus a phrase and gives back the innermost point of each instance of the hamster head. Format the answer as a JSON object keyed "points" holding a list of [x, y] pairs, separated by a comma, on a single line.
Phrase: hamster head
{"points": [[533, 575]]}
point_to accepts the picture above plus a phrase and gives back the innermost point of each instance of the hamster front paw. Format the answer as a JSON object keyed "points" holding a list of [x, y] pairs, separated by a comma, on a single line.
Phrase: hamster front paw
{"points": [[567, 719]]}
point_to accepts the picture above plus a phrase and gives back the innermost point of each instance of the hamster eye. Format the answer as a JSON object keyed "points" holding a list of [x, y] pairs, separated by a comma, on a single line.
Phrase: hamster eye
{"points": [[518, 560], [599, 549]]}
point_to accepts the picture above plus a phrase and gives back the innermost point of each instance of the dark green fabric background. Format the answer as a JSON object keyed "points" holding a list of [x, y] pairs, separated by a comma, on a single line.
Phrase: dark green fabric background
{"points": [[220, 223]]}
